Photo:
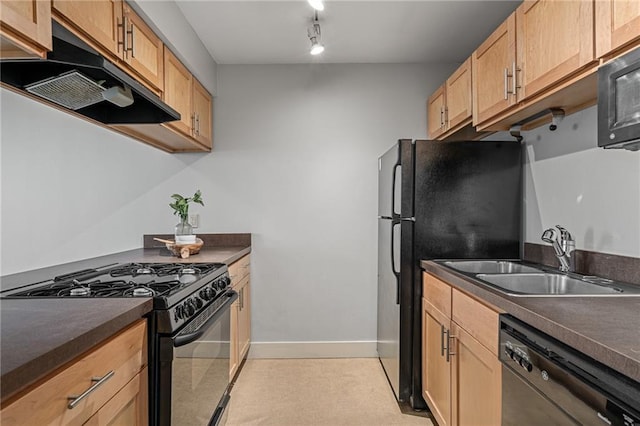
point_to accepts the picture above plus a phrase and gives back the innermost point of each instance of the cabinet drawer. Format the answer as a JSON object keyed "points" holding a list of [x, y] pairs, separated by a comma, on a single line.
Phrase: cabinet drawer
{"points": [[478, 320], [48, 402], [239, 269], [437, 292]]}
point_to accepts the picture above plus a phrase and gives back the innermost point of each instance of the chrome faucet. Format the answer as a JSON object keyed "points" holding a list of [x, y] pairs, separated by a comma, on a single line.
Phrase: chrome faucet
{"points": [[564, 246]]}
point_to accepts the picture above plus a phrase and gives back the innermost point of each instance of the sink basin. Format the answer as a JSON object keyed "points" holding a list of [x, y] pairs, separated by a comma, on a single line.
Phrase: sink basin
{"points": [[541, 284], [490, 267]]}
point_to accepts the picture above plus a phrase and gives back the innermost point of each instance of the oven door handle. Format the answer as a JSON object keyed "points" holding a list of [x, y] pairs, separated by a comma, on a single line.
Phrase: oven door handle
{"points": [[181, 340]]}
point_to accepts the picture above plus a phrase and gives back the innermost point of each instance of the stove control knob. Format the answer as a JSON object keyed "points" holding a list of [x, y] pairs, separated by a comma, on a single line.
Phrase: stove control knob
{"points": [[205, 293], [179, 312], [526, 365], [189, 308], [199, 303], [226, 280]]}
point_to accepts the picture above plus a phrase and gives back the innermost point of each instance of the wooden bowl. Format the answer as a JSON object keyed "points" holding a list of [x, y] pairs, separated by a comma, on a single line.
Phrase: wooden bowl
{"points": [[185, 250]]}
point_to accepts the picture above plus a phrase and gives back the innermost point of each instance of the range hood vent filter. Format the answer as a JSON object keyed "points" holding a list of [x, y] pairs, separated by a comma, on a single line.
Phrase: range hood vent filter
{"points": [[71, 90]]}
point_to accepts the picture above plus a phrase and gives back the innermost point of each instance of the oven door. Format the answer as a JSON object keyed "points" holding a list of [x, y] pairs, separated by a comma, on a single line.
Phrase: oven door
{"points": [[194, 368]]}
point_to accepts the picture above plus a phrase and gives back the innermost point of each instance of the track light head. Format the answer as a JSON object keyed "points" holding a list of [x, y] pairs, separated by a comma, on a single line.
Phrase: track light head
{"points": [[316, 4], [314, 35]]}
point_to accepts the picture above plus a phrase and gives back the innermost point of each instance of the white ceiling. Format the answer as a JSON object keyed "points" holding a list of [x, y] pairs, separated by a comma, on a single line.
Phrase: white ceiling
{"points": [[275, 32]]}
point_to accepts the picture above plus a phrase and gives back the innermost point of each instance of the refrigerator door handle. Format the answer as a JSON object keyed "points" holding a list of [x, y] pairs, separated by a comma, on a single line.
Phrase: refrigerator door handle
{"points": [[396, 166], [393, 261]]}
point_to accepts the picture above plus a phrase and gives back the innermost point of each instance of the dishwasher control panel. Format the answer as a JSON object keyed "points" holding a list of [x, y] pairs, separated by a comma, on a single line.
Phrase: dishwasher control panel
{"points": [[560, 380]]}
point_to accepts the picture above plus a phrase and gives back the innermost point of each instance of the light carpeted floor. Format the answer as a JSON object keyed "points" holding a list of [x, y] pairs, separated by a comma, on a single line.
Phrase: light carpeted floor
{"points": [[327, 392]]}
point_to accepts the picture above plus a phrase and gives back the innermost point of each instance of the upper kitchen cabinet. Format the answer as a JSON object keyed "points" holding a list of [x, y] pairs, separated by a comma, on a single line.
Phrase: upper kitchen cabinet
{"points": [[143, 49], [178, 83], [203, 114], [436, 105], [458, 97], [101, 21], [492, 67], [25, 28], [617, 25], [186, 95], [554, 40], [114, 29], [541, 57], [449, 107]]}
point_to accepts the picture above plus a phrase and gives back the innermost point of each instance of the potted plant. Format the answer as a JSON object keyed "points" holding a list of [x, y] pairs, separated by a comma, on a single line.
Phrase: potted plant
{"points": [[184, 230]]}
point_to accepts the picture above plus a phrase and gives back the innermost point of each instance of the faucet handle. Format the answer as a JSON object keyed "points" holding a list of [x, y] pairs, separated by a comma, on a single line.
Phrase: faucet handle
{"points": [[564, 234]]}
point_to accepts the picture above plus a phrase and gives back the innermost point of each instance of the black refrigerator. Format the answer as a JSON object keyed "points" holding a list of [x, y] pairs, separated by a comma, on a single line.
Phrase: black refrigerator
{"points": [[437, 200]]}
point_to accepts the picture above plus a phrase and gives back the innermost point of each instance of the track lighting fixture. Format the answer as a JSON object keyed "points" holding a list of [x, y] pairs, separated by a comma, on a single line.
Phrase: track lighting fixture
{"points": [[316, 4], [314, 37]]}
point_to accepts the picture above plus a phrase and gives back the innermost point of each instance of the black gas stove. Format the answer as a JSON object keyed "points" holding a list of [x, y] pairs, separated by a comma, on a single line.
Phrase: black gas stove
{"points": [[179, 290], [189, 347]]}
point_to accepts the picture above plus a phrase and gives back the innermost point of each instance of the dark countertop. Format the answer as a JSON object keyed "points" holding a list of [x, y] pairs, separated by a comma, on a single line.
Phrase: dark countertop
{"points": [[604, 328], [39, 335]]}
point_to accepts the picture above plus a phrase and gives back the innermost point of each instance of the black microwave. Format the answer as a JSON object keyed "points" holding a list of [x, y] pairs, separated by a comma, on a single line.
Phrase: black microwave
{"points": [[619, 102]]}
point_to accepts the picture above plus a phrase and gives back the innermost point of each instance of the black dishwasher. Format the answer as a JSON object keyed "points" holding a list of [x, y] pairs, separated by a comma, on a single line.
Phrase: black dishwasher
{"points": [[545, 382]]}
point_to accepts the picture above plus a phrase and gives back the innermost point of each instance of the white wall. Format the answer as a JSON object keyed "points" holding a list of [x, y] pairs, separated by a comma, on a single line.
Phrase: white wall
{"points": [[593, 192], [294, 162]]}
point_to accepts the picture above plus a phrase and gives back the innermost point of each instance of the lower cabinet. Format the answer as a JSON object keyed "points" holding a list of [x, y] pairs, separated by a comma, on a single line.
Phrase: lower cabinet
{"points": [[105, 386], [128, 407], [461, 372], [240, 313]]}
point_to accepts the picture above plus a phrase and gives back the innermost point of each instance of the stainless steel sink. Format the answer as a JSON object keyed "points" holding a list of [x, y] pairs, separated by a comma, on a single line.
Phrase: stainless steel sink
{"points": [[552, 284], [490, 267]]}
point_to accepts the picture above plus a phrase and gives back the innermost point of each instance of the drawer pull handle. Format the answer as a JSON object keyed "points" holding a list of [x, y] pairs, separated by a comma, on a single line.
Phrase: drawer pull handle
{"points": [[75, 400]]}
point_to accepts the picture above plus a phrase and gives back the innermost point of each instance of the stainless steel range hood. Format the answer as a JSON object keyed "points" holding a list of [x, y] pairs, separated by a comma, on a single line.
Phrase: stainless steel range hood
{"points": [[78, 78]]}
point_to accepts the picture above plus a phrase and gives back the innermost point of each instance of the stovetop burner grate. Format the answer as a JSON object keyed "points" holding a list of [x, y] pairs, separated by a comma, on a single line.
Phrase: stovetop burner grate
{"points": [[97, 288], [163, 269], [167, 283]]}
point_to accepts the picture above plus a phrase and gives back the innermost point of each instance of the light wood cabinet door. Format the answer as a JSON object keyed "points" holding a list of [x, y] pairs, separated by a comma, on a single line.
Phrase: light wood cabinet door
{"points": [[436, 122], [617, 24], [436, 370], [144, 49], [476, 382], [554, 40], [178, 86], [244, 320], [25, 26], [492, 65], [234, 359], [129, 407], [458, 96], [100, 20], [203, 115]]}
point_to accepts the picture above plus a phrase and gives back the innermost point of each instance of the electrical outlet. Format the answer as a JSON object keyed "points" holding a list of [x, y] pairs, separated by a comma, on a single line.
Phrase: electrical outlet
{"points": [[194, 220]]}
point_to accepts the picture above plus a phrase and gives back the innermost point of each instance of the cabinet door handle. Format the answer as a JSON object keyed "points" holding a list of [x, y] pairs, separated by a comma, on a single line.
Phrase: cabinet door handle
{"points": [[75, 400], [506, 84], [514, 75], [133, 42], [446, 117], [122, 43], [129, 31], [197, 124], [193, 122], [442, 340], [449, 353]]}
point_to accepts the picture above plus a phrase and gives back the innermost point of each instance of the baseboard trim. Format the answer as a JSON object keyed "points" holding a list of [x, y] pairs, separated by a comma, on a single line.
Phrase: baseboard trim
{"points": [[361, 349]]}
